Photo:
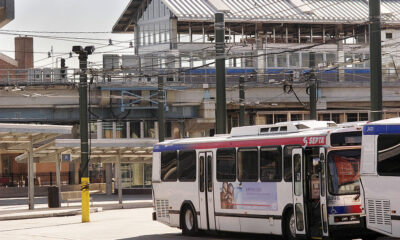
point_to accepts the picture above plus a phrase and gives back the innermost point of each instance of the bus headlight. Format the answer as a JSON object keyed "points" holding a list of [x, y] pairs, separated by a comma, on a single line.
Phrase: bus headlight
{"points": [[351, 218]]}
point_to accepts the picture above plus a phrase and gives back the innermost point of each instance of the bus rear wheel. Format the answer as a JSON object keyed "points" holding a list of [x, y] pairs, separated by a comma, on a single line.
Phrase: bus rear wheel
{"points": [[189, 222], [289, 227]]}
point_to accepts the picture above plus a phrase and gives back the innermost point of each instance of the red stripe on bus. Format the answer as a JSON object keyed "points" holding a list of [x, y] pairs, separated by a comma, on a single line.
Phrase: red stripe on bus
{"points": [[255, 205]]}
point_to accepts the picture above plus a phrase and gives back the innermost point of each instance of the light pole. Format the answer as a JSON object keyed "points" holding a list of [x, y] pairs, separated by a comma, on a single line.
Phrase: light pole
{"points": [[83, 107]]}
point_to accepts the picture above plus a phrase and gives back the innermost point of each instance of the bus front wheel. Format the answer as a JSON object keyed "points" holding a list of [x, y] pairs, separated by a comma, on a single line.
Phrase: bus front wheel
{"points": [[189, 221], [289, 229]]}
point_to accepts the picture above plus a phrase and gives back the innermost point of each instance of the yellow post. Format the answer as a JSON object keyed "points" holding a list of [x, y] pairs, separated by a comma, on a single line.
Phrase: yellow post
{"points": [[85, 199]]}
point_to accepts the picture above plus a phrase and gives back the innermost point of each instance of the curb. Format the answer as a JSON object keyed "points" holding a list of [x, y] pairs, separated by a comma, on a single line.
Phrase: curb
{"points": [[66, 213], [47, 215]]}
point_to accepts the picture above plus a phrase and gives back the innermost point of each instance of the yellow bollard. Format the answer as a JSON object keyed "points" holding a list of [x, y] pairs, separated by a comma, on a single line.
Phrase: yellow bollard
{"points": [[85, 200]]}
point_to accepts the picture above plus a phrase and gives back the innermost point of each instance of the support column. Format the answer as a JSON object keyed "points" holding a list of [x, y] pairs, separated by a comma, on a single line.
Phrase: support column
{"points": [[99, 129], [108, 178], [220, 73], [31, 173], [114, 130], [340, 53], [375, 47], [118, 166], [58, 175], [241, 102], [141, 129]]}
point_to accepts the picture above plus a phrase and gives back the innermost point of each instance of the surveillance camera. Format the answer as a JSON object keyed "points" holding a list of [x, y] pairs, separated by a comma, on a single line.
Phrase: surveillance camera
{"points": [[77, 49], [89, 49]]}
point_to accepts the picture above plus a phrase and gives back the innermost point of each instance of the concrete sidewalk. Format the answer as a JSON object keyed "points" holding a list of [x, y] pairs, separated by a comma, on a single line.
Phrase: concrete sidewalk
{"points": [[17, 208]]}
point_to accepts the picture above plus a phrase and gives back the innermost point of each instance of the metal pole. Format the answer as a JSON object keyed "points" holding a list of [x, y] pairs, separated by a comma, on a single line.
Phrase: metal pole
{"points": [[220, 110], [31, 179], [375, 59], [58, 176], [119, 178], [313, 88], [241, 102], [83, 106], [161, 119]]}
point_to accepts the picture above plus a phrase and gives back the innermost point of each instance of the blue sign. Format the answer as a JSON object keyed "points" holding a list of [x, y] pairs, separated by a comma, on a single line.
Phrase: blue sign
{"points": [[66, 157], [380, 129]]}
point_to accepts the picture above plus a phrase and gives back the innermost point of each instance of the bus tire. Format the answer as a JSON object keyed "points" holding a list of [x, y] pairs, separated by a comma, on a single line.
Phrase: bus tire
{"points": [[289, 225], [188, 221]]}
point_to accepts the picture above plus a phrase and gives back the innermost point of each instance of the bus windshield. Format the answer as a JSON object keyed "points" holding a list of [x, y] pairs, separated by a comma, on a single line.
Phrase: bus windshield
{"points": [[344, 172]]}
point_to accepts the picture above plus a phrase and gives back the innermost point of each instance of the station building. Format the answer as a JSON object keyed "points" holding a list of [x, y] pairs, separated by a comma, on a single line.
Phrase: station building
{"points": [[268, 42]]}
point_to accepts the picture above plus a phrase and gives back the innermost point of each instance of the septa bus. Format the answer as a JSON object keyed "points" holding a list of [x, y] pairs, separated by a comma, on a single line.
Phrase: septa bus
{"points": [[380, 176], [296, 179]]}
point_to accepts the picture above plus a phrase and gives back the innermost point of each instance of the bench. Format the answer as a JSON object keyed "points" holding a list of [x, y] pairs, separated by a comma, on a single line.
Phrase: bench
{"points": [[74, 196]]}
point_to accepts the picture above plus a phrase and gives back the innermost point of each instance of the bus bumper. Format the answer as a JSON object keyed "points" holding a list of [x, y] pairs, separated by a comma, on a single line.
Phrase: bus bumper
{"points": [[351, 230]]}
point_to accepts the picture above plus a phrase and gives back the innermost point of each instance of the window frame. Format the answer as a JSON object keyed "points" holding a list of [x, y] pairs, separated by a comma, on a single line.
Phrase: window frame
{"points": [[177, 162], [179, 173], [258, 164], [216, 167], [291, 161], [377, 158], [278, 147]]}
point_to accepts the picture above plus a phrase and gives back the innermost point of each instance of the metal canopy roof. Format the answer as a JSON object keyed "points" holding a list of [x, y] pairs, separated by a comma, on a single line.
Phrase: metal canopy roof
{"points": [[126, 20], [17, 137], [102, 150], [290, 11]]}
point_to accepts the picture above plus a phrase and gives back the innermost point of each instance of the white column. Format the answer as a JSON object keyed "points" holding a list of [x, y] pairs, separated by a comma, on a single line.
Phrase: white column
{"points": [[58, 175], [114, 130], [128, 129], [99, 129], [141, 129], [119, 178], [156, 130], [31, 173]]}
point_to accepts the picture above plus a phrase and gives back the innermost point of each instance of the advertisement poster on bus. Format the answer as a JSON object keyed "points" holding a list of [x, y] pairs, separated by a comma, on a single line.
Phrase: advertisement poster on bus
{"points": [[249, 196]]}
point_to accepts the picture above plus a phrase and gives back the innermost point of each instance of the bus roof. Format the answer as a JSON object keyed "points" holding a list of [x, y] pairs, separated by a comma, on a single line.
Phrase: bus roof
{"points": [[304, 136]]}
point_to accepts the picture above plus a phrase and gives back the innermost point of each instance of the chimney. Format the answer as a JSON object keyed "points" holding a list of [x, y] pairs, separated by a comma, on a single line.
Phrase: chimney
{"points": [[24, 52]]}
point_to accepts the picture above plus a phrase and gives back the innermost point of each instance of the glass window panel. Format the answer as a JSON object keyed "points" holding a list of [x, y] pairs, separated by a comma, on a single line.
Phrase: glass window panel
{"points": [[294, 59], [298, 189], [271, 164], [169, 162], [226, 164], [248, 165], [271, 60], [187, 166], [282, 60], [388, 154], [305, 59], [287, 162]]}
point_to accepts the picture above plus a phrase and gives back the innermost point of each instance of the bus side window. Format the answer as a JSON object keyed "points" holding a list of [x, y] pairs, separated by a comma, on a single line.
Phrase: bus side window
{"points": [[271, 164], [169, 165], [201, 173], [287, 163], [187, 166], [226, 164], [248, 164]]}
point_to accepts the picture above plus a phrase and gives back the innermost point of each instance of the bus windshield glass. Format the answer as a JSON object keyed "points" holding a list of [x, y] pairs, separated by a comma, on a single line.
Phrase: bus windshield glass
{"points": [[344, 172]]}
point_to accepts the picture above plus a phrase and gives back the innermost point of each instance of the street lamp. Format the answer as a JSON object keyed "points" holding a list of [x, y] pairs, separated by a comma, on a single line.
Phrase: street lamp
{"points": [[83, 108]]}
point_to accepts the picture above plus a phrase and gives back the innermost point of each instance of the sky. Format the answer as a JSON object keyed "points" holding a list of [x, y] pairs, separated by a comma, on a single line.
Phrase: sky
{"points": [[67, 16]]}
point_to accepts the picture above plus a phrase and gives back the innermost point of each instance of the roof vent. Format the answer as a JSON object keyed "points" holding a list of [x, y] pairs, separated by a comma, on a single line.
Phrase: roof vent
{"points": [[302, 6], [219, 5]]}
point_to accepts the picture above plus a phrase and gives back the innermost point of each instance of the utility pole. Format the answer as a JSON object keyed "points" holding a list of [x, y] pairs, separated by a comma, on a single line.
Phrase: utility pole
{"points": [[83, 107], [220, 110], [313, 88], [161, 100], [375, 59], [241, 101]]}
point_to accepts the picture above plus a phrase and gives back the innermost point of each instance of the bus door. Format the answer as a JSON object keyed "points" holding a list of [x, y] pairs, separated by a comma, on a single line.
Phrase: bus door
{"points": [[323, 198], [206, 191], [298, 172]]}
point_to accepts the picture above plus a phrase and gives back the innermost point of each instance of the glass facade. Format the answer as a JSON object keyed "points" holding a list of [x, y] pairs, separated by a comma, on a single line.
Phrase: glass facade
{"points": [[136, 175]]}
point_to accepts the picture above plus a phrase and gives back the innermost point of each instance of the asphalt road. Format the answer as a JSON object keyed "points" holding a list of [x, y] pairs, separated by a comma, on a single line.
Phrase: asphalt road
{"points": [[128, 224]]}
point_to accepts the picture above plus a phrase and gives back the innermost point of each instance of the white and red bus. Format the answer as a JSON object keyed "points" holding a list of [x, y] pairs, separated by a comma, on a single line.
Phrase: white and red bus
{"points": [[380, 176], [296, 179]]}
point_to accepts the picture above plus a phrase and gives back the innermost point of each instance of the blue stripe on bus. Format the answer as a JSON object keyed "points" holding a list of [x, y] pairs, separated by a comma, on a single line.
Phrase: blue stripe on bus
{"points": [[380, 129], [175, 147]]}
